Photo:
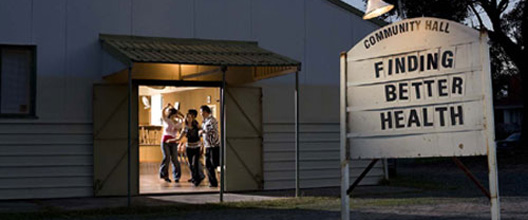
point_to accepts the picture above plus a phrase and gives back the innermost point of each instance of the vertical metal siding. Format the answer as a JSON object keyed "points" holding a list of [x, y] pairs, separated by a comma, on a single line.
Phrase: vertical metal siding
{"points": [[18, 12], [45, 160], [319, 158], [328, 31], [223, 20], [177, 13], [51, 157]]}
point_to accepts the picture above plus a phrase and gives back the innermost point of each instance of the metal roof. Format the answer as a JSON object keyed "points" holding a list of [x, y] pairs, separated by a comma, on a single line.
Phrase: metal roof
{"points": [[130, 49]]}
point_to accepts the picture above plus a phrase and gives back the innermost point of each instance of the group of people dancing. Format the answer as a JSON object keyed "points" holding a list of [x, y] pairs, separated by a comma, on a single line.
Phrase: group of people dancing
{"points": [[201, 139]]}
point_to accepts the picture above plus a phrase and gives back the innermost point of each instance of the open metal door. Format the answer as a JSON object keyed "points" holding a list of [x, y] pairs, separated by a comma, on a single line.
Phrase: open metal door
{"points": [[243, 139], [110, 124]]}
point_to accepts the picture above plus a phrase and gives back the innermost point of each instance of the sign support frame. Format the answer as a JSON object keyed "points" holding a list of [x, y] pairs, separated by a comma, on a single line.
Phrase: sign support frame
{"points": [[492, 150], [480, 129]]}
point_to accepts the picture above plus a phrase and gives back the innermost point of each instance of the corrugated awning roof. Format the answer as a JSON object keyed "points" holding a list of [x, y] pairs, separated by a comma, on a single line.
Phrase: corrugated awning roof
{"points": [[130, 49]]}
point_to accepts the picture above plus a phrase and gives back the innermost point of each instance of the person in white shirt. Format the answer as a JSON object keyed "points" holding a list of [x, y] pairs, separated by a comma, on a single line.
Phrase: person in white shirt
{"points": [[172, 123], [211, 141]]}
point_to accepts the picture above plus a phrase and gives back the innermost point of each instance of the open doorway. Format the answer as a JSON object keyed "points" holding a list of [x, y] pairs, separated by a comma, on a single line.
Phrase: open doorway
{"points": [[152, 101], [243, 154]]}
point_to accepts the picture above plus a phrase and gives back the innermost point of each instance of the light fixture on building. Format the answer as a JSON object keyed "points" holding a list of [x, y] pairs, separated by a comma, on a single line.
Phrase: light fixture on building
{"points": [[376, 8]]}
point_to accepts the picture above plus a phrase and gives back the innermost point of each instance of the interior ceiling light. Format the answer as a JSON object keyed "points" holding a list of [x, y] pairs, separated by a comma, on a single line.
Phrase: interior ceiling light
{"points": [[376, 8], [157, 87], [146, 102]]}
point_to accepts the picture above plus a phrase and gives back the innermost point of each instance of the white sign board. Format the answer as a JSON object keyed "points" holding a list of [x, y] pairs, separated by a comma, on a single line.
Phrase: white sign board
{"points": [[419, 88]]}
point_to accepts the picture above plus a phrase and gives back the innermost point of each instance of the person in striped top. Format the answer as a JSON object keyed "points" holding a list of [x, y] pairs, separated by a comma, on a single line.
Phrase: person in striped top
{"points": [[211, 141]]}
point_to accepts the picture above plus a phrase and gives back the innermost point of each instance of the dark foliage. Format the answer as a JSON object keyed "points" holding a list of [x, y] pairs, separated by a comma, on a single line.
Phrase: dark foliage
{"points": [[456, 10]]}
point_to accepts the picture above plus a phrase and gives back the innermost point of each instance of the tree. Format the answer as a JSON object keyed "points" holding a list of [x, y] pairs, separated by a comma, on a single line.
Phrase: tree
{"points": [[508, 31]]}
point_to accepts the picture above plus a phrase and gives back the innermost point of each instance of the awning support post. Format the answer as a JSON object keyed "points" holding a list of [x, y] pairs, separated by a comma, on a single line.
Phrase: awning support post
{"points": [[297, 171], [129, 134], [223, 134], [344, 152]]}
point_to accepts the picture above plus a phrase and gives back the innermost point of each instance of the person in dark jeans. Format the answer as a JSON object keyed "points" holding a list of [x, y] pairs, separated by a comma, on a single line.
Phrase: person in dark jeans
{"points": [[191, 132], [170, 155], [169, 147], [211, 141], [211, 163]]}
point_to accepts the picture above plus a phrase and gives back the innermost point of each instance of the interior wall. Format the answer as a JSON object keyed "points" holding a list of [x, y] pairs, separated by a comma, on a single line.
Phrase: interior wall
{"points": [[193, 99], [188, 99]]}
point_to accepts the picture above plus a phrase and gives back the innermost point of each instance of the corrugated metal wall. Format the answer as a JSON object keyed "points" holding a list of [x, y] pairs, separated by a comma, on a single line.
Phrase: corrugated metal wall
{"points": [[319, 32], [51, 156], [319, 139], [319, 157], [45, 160]]}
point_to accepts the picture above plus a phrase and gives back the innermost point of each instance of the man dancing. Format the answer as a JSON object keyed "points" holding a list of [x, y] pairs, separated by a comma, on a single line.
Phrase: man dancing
{"points": [[211, 141]]}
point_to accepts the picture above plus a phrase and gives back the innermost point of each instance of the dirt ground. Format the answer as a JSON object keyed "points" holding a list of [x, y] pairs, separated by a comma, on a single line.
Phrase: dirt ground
{"points": [[437, 189], [421, 189]]}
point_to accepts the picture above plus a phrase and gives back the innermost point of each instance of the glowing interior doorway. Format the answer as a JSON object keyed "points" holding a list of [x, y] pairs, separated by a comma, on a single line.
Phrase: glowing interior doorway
{"points": [[152, 99]]}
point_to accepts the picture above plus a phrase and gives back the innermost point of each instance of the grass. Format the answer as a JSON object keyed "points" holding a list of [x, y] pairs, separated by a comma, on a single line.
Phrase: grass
{"points": [[419, 184], [315, 203], [175, 211], [357, 204], [305, 203]]}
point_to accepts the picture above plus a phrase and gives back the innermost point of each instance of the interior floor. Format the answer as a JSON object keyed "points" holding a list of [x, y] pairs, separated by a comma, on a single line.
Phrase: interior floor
{"points": [[150, 183]]}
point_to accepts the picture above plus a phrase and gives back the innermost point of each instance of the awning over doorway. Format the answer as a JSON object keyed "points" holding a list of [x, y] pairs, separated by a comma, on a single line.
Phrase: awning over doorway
{"points": [[196, 59], [153, 58]]}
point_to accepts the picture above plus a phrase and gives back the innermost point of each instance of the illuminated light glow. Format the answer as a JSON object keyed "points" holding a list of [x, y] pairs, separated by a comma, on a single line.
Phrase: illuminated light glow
{"points": [[376, 8]]}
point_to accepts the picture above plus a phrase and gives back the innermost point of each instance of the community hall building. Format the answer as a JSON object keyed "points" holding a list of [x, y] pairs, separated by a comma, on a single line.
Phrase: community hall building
{"points": [[82, 84]]}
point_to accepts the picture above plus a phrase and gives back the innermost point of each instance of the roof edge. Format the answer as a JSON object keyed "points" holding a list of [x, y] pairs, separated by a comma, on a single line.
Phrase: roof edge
{"points": [[357, 12], [115, 53], [105, 36], [108, 43]]}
